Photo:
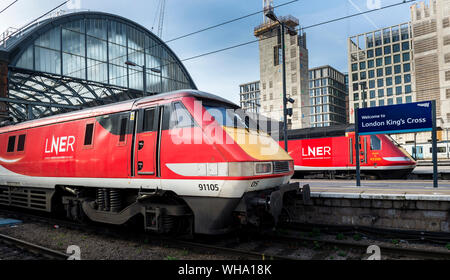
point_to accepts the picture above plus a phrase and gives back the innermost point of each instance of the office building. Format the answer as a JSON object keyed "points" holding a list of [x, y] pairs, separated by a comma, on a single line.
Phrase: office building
{"points": [[327, 92]]}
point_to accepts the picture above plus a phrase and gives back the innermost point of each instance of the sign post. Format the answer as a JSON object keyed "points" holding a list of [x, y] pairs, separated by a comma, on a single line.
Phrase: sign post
{"points": [[357, 156], [401, 118], [434, 139]]}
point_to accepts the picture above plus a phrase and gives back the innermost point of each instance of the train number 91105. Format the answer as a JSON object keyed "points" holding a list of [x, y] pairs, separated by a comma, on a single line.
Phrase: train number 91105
{"points": [[209, 187]]}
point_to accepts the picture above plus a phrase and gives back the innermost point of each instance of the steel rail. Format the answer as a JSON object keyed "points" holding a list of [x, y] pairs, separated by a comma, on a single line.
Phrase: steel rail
{"points": [[34, 248]]}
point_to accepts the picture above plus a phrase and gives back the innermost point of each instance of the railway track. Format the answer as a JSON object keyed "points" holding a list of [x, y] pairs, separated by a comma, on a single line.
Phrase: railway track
{"points": [[385, 250], [15, 249], [261, 246]]}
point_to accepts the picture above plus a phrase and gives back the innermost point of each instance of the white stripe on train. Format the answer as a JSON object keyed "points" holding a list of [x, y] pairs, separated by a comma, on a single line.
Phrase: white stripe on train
{"points": [[182, 187]]}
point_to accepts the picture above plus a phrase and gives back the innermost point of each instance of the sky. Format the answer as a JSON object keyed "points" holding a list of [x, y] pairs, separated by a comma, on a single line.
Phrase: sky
{"points": [[221, 73]]}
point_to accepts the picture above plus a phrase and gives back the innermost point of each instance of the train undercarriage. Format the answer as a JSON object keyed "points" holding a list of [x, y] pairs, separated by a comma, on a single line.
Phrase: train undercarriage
{"points": [[161, 211]]}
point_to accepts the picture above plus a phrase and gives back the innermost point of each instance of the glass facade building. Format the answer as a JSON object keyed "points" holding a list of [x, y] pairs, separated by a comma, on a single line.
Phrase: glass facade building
{"points": [[380, 68], [327, 92], [250, 97]]}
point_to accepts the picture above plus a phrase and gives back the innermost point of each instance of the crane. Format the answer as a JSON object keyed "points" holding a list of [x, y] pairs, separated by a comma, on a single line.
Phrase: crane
{"points": [[161, 8]]}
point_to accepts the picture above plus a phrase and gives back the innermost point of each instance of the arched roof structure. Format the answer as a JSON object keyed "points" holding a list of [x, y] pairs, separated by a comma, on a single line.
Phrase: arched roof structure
{"points": [[81, 60]]}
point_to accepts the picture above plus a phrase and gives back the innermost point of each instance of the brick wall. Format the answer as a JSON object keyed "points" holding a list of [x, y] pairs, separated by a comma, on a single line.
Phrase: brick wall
{"points": [[378, 213]]}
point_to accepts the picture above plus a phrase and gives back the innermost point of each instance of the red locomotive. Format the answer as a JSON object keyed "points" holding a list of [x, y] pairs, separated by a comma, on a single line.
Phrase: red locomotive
{"points": [[332, 150], [173, 159]]}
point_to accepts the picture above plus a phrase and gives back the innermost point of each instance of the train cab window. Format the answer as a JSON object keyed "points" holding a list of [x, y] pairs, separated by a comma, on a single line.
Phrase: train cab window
{"points": [[375, 143], [21, 143], [89, 134], [123, 129], [181, 117], [11, 144], [149, 120]]}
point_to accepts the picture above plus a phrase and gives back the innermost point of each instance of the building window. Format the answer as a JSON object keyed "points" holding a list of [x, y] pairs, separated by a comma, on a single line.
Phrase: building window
{"points": [[408, 89], [355, 77], [405, 46], [406, 57], [447, 75], [362, 65], [372, 84], [371, 74], [397, 58], [388, 70], [397, 69], [396, 47], [381, 102], [379, 72], [399, 100], [381, 93], [363, 75], [389, 92], [389, 81], [379, 62], [398, 90], [372, 94], [408, 99], [380, 82], [369, 53], [356, 96], [387, 60], [378, 51], [276, 55], [406, 67], [370, 63], [407, 78], [355, 67], [398, 80], [373, 103], [446, 22], [390, 101]]}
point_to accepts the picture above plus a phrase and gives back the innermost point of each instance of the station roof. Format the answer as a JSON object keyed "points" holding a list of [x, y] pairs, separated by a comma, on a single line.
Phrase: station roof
{"points": [[77, 60]]}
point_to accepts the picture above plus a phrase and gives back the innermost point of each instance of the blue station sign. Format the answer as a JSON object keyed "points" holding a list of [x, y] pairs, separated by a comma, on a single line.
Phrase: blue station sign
{"points": [[410, 117]]}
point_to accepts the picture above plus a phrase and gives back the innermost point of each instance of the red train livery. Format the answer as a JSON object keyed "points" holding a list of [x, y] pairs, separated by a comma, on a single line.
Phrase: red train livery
{"points": [[332, 149], [166, 159]]}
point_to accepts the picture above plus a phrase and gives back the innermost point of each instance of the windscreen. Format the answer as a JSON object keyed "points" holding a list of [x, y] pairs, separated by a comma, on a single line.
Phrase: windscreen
{"points": [[227, 115]]}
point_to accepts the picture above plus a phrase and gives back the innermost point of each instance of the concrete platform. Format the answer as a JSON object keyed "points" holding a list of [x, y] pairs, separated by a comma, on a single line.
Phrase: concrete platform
{"points": [[8, 222], [428, 170], [391, 190]]}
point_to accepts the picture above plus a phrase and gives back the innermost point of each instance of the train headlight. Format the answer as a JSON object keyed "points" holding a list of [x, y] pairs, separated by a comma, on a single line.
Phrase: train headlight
{"points": [[262, 168], [239, 169]]}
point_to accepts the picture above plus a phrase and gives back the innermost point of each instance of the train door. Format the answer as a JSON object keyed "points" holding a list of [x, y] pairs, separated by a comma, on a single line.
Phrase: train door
{"points": [[363, 150], [417, 153], [146, 142]]}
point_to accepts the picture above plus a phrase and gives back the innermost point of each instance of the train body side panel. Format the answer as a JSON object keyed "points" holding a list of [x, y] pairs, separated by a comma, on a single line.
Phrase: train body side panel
{"points": [[321, 152], [59, 150]]}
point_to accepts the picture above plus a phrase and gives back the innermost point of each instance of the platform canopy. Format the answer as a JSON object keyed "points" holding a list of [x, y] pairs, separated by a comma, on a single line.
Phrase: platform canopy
{"points": [[78, 60]]}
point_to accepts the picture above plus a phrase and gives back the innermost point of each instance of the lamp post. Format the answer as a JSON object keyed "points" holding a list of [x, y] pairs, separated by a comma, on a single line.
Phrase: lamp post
{"points": [[271, 15], [144, 72]]}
